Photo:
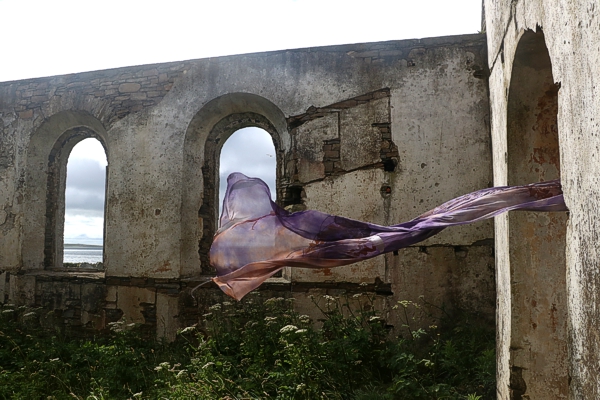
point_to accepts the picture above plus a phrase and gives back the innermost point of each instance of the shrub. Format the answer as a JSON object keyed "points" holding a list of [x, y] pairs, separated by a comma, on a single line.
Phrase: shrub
{"points": [[254, 349], [36, 363]]}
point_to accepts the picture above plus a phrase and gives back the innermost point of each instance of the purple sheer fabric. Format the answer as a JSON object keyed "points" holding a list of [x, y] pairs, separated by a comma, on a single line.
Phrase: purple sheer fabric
{"points": [[257, 238]]}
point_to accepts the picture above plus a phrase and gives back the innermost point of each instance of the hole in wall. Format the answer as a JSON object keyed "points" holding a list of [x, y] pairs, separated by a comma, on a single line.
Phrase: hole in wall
{"points": [[85, 190], [293, 195], [389, 164], [250, 151]]}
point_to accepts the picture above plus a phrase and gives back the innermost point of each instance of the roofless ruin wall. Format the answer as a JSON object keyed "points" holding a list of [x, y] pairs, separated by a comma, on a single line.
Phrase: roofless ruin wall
{"points": [[379, 132]]}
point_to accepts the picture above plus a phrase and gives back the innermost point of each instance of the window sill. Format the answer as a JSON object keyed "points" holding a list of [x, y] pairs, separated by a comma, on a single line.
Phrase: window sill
{"points": [[68, 273]]}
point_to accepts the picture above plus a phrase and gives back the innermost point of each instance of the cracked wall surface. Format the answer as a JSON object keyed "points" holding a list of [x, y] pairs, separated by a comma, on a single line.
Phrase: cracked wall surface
{"points": [[380, 132]]}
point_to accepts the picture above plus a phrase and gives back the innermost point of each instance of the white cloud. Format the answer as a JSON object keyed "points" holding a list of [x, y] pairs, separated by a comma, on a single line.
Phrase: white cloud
{"points": [[83, 226], [89, 149]]}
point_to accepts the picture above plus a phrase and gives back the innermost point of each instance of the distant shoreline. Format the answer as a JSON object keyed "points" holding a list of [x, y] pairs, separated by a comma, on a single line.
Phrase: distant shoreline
{"points": [[82, 246]]}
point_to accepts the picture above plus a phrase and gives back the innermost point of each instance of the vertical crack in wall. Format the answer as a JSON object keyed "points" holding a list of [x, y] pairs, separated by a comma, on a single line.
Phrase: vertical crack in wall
{"points": [[389, 150], [518, 387]]}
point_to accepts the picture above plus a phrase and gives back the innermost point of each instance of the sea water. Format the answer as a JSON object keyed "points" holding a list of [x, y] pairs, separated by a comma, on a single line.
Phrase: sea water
{"points": [[83, 250]]}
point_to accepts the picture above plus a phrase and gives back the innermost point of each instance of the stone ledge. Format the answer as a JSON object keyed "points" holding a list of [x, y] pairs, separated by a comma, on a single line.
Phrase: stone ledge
{"points": [[50, 275]]}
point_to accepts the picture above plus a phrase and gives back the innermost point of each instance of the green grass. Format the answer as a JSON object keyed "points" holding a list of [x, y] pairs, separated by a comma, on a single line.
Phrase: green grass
{"points": [[254, 349]]}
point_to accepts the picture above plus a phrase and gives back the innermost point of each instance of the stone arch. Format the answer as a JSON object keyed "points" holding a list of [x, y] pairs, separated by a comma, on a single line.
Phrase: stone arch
{"points": [[205, 136], [45, 178], [537, 241]]}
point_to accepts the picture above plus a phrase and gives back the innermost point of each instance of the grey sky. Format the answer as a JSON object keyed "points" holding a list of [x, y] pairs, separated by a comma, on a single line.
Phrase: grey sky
{"points": [[85, 187]]}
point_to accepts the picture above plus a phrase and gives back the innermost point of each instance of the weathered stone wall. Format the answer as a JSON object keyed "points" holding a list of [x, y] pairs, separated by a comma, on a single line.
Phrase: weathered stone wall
{"points": [[379, 132], [543, 58]]}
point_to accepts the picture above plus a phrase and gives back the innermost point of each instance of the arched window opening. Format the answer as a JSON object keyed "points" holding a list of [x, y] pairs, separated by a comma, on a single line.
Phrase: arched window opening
{"points": [[251, 152], [537, 241], [84, 205], [83, 218], [245, 143]]}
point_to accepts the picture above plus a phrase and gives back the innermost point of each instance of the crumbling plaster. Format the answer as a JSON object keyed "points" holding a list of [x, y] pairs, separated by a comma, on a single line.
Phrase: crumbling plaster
{"points": [[572, 34]]}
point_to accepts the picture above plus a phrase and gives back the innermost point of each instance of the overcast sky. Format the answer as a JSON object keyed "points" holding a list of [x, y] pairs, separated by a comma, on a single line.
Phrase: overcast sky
{"points": [[43, 38], [84, 197]]}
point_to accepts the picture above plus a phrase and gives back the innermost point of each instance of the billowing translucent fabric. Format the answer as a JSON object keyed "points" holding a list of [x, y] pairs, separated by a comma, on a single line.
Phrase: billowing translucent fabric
{"points": [[257, 238]]}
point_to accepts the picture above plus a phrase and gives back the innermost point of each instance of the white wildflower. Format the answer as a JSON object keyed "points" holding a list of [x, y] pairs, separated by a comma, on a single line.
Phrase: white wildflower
{"points": [[288, 328], [304, 319], [301, 331], [188, 329], [215, 307]]}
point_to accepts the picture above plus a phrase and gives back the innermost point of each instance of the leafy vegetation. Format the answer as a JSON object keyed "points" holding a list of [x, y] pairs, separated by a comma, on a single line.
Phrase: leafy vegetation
{"points": [[255, 349]]}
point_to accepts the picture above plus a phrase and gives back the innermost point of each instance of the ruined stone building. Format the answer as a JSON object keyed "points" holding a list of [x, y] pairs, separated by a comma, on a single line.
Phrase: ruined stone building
{"points": [[379, 132]]}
